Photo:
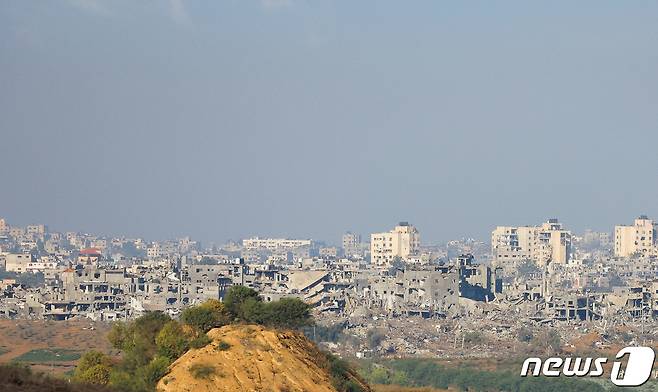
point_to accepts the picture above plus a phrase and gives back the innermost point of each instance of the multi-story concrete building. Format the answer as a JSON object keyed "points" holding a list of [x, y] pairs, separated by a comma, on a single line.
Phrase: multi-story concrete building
{"points": [[637, 238], [402, 241], [16, 232], [18, 262], [154, 251], [352, 244], [38, 230], [541, 244]]}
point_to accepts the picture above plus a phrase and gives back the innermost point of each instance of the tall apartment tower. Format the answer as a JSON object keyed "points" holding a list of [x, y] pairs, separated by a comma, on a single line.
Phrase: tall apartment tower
{"points": [[637, 238], [402, 241], [549, 242]]}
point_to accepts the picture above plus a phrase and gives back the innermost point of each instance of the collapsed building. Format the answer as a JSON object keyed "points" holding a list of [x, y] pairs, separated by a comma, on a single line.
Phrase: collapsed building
{"points": [[427, 291]]}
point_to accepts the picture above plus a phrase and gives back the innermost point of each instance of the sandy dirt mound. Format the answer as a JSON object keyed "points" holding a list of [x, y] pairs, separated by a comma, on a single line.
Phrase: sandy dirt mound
{"points": [[249, 358]]}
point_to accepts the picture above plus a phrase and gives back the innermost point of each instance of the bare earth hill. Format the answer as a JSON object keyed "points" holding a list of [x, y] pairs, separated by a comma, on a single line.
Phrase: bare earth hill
{"points": [[252, 358]]}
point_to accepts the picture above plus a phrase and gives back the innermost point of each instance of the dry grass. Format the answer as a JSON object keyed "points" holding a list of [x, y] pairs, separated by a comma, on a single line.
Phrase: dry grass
{"points": [[19, 337]]}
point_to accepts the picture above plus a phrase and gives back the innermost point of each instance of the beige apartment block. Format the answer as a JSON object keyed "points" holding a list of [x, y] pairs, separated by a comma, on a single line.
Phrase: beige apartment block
{"points": [[637, 238], [402, 241], [543, 244], [18, 262]]}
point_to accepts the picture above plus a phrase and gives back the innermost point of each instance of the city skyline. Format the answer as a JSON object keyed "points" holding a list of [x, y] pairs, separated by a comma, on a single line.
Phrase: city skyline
{"points": [[612, 231]]}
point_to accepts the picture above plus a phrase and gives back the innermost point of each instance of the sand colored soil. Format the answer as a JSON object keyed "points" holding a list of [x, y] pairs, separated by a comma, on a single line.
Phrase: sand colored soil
{"points": [[250, 358]]}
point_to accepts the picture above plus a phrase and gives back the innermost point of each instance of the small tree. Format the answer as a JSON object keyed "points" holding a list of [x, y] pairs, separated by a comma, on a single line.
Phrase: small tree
{"points": [[118, 335], [210, 314], [288, 313], [220, 314], [171, 340], [94, 367], [236, 296], [254, 311], [154, 371], [201, 318]]}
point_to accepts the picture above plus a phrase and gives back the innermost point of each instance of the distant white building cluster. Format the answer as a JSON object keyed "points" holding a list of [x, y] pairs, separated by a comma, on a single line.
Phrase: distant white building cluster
{"points": [[274, 244]]}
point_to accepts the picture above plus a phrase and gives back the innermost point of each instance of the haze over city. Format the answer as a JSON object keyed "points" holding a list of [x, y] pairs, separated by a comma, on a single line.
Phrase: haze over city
{"points": [[223, 120]]}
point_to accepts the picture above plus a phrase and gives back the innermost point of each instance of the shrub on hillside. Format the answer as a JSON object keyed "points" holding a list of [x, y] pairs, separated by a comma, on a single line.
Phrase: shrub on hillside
{"points": [[202, 371], [94, 367], [14, 377], [200, 341], [172, 342]]}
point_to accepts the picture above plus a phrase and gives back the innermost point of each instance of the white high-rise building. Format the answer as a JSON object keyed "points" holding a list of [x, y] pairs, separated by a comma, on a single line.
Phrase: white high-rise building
{"points": [[402, 241], [637, 238], [541, 244]]}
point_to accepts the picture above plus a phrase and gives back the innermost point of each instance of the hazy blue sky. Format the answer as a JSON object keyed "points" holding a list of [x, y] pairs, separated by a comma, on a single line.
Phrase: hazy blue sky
{"points": [[224, 119]]}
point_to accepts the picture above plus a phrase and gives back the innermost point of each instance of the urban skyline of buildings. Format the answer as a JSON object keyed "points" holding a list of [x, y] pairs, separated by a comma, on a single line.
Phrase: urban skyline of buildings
{"points": [[547, 242], [335, 239]]}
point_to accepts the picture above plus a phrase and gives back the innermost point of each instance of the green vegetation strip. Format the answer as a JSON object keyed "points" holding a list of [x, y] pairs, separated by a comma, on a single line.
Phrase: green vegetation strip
{"points": [[48, 356], [427, 373]]}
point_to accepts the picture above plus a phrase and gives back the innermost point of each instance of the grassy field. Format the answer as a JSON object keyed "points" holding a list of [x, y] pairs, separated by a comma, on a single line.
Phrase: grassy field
{"points": [[45, 356], [452, 375], [27, 342]]}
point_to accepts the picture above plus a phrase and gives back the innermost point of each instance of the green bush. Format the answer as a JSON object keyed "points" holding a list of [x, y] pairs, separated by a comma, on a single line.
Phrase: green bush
{"points": [[253, 311], [287, 313], [147, 352], [155, 370], [235, 297], [222, 346], [341, 375], [17, 377], [200, 341], [171, 340], [97, 374], [94, 367], [202, 371], [198, 317]]}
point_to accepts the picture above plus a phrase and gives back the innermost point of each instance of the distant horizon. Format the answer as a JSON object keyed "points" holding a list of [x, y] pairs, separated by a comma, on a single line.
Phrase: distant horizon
{"points": [[294, 118], [364, 236]]}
